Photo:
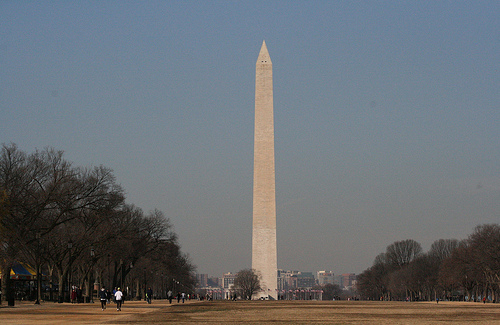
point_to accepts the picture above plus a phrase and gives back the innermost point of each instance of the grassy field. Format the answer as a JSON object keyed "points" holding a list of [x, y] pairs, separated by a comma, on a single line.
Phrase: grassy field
{"points": [[307, 312], [256, 312]]}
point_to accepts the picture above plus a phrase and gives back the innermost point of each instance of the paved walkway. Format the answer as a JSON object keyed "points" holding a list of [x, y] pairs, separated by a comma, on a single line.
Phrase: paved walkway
{"points": [[66, 313]]}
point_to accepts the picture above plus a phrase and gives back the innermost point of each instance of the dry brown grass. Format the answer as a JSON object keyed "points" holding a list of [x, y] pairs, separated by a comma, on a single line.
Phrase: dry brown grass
{"points": [[256, 312]]}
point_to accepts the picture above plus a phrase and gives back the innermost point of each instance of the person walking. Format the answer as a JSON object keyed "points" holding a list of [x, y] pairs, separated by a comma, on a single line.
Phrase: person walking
{"points": [[170, 295], [149, 295], [119, 299], [73, 295], [183, 297], [103, 296]]}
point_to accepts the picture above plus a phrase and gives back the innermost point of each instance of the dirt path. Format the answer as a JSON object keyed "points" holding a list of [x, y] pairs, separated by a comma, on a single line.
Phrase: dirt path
{"points": [[66, 313]]}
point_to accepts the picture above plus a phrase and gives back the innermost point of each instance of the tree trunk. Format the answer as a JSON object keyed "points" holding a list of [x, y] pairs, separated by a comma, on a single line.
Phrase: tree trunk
{"points": [[8, 293], [137, 290], [38, 284], [62, 277]]}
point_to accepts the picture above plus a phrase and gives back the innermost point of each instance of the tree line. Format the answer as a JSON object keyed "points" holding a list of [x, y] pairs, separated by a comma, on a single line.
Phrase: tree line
{"points": [[452, 270], [73, 226]]}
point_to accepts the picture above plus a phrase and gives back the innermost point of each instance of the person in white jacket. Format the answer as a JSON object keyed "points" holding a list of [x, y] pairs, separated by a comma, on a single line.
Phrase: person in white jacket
{"points": [[118, 298]]}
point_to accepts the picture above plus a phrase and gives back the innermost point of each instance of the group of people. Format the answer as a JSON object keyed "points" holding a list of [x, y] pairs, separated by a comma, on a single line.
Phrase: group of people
{"points": [[76, 295], [170, 296], [105, 297], [118, 296]]}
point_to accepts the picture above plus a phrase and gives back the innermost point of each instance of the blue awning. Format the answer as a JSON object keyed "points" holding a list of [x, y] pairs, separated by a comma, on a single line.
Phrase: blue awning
{"points": [[22, 271]]}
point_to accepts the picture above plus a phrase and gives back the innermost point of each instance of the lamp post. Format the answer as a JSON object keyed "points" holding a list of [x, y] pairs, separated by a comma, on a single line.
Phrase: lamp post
{"points": [[109, 274], [144, 270], [38, 280], [132, 290], [121, 269], [161, 289], [70, 246], [91, 278]]}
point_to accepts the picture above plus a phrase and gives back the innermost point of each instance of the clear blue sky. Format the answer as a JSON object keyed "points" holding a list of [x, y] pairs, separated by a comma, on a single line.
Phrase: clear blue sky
{"points": [[387, 116]]}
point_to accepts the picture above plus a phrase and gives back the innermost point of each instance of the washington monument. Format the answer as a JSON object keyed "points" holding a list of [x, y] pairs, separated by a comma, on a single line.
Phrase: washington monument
{"points": [[264, 256]]}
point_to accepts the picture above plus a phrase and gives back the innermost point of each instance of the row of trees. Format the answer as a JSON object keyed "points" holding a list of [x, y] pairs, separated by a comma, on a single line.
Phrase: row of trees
{"points": [[451, 269], [72, 224]]}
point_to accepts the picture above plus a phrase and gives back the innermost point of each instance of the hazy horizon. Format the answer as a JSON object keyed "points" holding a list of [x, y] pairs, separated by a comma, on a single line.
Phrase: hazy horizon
{"points": [[386, 116]]}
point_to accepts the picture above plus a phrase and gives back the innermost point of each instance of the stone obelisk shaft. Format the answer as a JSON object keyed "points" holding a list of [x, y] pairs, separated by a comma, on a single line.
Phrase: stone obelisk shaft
{"points": [[264, 255]]}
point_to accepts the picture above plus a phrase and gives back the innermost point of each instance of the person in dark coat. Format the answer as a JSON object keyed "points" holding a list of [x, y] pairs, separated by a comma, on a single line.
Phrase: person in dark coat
{"points": [[103, 296]]}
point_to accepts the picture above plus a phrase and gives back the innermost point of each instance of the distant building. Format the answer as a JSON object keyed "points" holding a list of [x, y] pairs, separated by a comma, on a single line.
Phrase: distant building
{"points": [[348, 280], [305, 280], [338, 280], [289, 280], [325, 277], [228, 280], [213, 281], [202, 280]]}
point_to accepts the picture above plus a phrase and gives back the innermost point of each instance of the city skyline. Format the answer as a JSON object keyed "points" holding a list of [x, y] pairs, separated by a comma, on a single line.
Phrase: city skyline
{"points": [[386, 116]]}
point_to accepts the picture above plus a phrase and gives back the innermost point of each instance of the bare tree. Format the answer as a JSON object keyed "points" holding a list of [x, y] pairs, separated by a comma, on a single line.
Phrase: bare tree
{"points": [[443, 248], [460, 271], [398, 283], [485, 248], [423, 273], [373, 283], [14, 186], [247, 283], [330, 291], [401, 253]]}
